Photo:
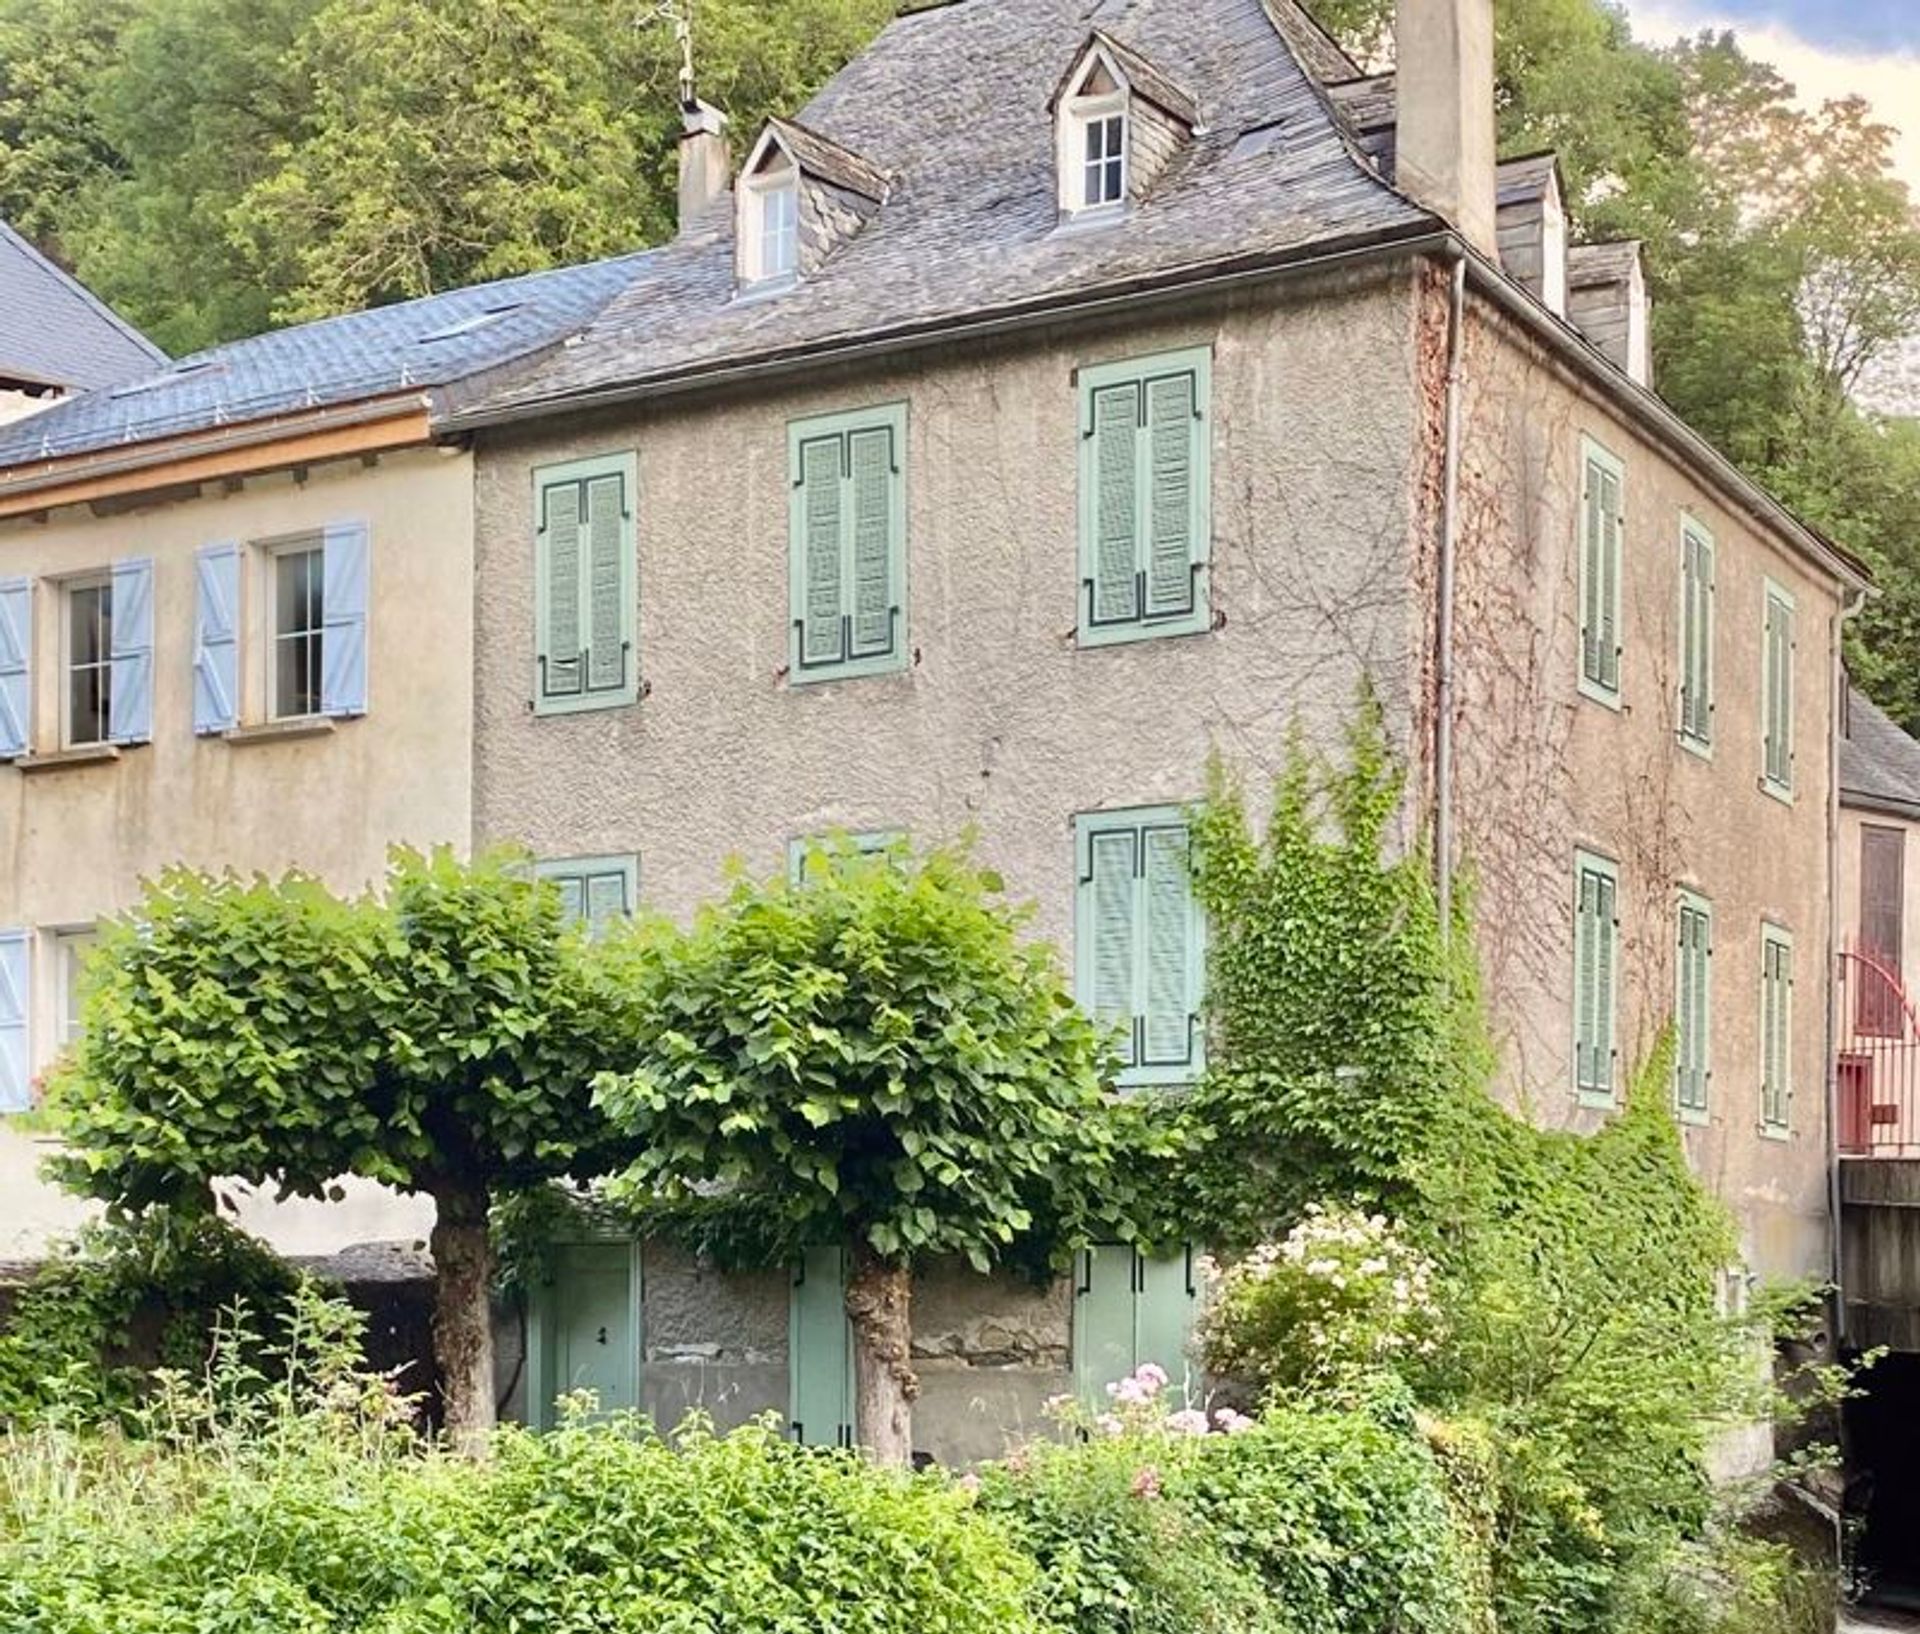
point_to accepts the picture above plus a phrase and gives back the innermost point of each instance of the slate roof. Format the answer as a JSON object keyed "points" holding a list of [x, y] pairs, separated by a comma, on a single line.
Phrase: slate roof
{"points": [[830, 161], [415, 345], [1142, 76], [54, 331], [1879, 763], [951, 104]]}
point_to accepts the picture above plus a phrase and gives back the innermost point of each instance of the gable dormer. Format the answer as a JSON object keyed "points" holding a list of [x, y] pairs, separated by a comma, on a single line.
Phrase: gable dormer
{"points": [[800, 197], [1117, 121]]}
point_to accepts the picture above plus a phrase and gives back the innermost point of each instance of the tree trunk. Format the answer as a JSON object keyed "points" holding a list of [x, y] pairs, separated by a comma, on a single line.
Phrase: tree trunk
{"points": [[463, 1315], [880, 1307]]}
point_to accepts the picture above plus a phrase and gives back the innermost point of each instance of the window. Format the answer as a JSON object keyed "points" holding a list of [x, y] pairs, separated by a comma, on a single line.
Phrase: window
{"points": [[848, 544], [1878, 1008], [595, 891], [1696, 635], [770, 220], [87, 661], [1105, 181], [1596, 959], [1693, 998], [820, 1352], [1777, 694], [1776, 1030], [585, 593], [1145, 507], [1139, 941], [1129, 1310], [869, 844], [16, 1010], [1095, 125], [16, 667], [299, 632], [1602, 523], [70, 953]]}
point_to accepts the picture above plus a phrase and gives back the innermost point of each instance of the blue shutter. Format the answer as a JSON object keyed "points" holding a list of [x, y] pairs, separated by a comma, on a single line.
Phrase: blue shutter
{"points": [[130, 701], [343, 649], [216, 647], [16, 667], [16, 1092]]}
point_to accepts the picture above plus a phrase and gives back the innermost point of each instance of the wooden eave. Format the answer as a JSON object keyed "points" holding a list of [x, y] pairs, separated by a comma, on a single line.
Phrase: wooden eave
{"points": [[310, 437]]}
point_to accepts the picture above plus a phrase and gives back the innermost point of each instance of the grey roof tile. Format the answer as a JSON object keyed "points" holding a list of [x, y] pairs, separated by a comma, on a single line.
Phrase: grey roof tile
{"points": [[54, 331], [952, 105], [1879, 763], [414, 345], [830, 161], [1142, 75]]}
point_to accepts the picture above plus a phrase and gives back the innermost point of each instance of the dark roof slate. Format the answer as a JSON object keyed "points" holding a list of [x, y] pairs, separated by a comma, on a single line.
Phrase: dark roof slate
{"points": [[54, 331], [827, 159], [412, 345], [1879, 763], [1145, 79], [951, 104]]}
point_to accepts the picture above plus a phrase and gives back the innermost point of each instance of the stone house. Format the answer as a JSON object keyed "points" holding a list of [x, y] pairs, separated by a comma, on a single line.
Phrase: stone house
{"points": [[236, 631], [56, 336], [1058, 402]]}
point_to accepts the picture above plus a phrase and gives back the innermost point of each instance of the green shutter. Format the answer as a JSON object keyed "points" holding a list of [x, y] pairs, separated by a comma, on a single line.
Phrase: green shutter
{"points": [[594, 891], [584, 1329], [585, 574], [1163, 1323], [1110, 922], [1692, 1001], [1696, 634], [1167, 1019], [1778, 688], [1612, 526], [1144, 501], [1602, 529], [1595, 967], [1103, 1322], [1776, 1027], [848, 546], [820, 1352]]}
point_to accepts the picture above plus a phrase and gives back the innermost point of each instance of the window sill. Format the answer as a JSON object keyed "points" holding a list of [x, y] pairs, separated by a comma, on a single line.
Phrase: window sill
{"points": [[1776, 791], [300, 726], [1775, 1131], [1089, 639], [59, 760], [1595, 692], [1693, 1117], [1593, 1101], [1699, 748]]}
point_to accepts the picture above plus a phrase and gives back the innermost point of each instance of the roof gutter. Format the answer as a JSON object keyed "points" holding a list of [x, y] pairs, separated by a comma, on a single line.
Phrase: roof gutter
{"points": [[1429, 238]]}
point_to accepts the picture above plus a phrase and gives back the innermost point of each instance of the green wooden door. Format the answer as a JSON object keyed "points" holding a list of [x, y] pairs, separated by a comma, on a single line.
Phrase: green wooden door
{"points": [[820, 1352], [585, 1331]]}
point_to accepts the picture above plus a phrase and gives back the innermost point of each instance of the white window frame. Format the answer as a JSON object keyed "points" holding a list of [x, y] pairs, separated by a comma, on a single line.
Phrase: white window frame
{"points": [[1774, 595], [275, 554], [759, 271], [79, 583], [1078, 114]]}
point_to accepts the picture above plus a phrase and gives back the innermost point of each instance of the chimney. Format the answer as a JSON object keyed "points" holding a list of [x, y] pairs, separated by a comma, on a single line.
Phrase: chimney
{"points": [[1607, 302], [1445, 144], [705, 169]]}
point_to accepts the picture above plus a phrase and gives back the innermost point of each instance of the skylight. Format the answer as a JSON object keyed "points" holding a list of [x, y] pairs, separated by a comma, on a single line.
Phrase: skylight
{"points": [[467, 325]]}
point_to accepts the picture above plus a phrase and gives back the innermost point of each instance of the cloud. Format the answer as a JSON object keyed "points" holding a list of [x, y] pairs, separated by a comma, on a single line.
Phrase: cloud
{"points": [[1815, 50]]}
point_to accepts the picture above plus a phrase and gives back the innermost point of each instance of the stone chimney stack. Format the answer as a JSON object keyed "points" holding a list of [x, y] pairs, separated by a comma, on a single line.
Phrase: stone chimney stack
{"points": [[1445, 145], [705, 168]]}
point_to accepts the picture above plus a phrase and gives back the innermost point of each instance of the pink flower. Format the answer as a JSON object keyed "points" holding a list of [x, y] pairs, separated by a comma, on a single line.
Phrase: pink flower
{"points": [[1146, 1484], [1107, 1424], [1228, 1422], [1189, 1421], [968, 1484], [1151, 1376]]}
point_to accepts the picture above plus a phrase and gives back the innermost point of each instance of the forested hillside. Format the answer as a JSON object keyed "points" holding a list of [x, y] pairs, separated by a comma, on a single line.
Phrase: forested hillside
{"points": [[216, 166]]}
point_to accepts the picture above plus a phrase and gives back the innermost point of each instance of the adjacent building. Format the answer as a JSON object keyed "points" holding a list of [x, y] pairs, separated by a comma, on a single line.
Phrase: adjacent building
{"points": [[56, 336], [236, 632], [1057, 403]]}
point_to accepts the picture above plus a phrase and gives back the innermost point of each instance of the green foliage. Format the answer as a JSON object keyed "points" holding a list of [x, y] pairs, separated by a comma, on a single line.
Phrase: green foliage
{"points": [[438, 1036], [872, 1056], [89, 1326], [306, 1504]]}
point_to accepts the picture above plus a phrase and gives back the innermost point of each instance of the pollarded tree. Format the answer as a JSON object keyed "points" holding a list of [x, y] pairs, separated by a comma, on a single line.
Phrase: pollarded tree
{"points": [[871, 1058], [439, 1037]]}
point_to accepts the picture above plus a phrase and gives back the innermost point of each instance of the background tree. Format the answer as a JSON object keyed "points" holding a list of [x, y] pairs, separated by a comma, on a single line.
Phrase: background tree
{"points": [[438, 1038], [872, 1058]]}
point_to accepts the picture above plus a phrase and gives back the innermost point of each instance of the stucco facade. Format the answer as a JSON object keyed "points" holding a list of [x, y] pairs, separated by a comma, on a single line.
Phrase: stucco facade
{"points": [[77, 840]]}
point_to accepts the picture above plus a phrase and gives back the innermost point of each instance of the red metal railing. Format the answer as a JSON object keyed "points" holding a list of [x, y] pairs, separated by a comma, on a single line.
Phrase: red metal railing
{"points": [[1879, 1061]]}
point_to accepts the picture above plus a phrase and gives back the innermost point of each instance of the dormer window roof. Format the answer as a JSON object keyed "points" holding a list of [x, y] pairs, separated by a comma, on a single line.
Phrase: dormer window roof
{"points": [[800, 195], [1117, 120]]}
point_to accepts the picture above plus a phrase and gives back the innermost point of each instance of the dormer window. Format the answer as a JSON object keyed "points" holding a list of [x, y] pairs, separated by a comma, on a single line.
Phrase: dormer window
{"points": [[773, 219], [1118, 121]]}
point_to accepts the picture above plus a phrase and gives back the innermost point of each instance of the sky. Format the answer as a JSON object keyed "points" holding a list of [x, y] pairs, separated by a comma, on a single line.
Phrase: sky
{"points": [[1827, 48]]}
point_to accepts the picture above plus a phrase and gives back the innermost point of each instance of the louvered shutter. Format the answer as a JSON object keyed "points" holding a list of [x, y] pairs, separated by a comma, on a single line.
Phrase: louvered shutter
{"points": [[1103, 1321], [562, 656], [823, 629], [16, 668], [1115, 580], [216, 649], [820, 1352], [1586, 980], [606, 588], [1172, 456], [130, 698], [1110, 922], [870, 458], [1779, 691], [1167, 1022], [1163, 1323], [1603, 997], [1614, 523], [343, 641], [1702, 1007], [16, 1052], [1590, 575]]}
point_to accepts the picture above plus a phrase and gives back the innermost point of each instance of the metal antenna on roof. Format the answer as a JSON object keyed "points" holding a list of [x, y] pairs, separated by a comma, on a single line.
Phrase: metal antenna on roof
{"points": [[680, 14]]}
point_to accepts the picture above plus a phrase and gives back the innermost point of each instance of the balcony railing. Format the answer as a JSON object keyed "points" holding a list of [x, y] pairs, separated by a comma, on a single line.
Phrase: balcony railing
{"points": [[1879, 1060]]}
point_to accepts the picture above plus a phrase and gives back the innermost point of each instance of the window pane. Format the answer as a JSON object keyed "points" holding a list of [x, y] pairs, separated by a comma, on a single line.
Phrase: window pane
{"points": [[299, 597], [89, 662]]}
